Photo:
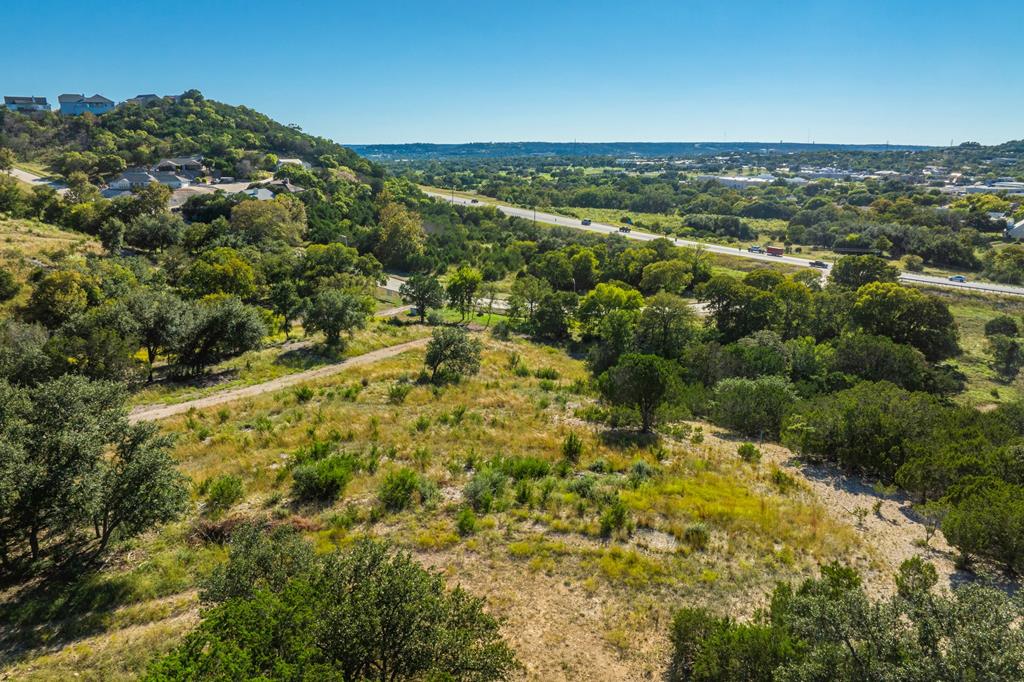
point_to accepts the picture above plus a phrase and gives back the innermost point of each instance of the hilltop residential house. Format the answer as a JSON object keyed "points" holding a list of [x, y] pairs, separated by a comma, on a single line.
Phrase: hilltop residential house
{"points": [[293, 162], [1017, 231], [130, 179], [278, 186], [188, 166], [75, 105], [142, 100], [259, 194], [26, 103]]}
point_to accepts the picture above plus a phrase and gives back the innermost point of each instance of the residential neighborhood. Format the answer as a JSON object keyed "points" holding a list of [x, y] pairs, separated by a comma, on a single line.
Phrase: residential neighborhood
{"points": [[70, 104]]}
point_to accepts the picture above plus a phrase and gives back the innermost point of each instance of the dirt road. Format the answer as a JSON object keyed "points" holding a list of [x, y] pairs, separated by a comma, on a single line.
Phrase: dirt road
{"points": [[145, 413]]}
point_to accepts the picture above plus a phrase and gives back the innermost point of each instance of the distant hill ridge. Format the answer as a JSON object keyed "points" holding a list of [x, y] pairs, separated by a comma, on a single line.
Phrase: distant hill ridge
{"points": [[613, 149]]}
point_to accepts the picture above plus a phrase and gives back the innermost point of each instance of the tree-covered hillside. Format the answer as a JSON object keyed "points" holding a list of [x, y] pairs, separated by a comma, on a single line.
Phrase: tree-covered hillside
{"points": [[234, 139]]}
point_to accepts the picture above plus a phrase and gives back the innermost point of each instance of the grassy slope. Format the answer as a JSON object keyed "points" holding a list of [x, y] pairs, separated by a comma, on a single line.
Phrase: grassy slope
{"points": [[576, 606], [25, 242], [971, 311]]}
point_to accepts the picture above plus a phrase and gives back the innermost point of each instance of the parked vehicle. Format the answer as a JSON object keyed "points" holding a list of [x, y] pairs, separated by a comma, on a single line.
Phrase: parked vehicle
{"points": [[585, 221], [819, 264], [775, 251], [958, 278]]}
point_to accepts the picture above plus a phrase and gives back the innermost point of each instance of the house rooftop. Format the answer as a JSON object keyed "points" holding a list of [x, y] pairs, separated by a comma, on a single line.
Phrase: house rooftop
{"points": [[95, 99], [16, 99]]}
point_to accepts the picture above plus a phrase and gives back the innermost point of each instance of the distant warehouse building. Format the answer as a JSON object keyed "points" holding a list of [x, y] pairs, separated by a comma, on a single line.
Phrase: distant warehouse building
{"points": [[746, 181], [76, 105], [32, 103]]}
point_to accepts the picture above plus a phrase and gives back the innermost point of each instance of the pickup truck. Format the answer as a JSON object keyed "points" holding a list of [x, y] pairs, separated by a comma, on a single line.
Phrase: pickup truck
{"points": [[755, 249], [585, 221]]}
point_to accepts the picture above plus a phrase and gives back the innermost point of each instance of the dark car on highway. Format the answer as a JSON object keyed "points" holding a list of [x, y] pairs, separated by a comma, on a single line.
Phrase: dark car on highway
{"points": [[818, 264]]}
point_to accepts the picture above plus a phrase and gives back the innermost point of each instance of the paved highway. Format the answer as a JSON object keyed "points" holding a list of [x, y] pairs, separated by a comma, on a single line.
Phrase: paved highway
{"points": [[602, 228]]}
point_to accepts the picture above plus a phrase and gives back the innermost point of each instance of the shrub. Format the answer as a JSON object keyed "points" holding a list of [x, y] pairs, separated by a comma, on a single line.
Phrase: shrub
{"points": [[640, 471], [753, 406], [613, 518], [524, 492], [465, 522], [1002, 325], [524, 467], [572, 447], [748, 452], [304, 394], [585, 485], [362, 609], [502, 330], [913, 263], [485, 489], [546, 373], [9, 286], [397, 488], [398, 392], [323, 480], [697, 536], [222, 493]]}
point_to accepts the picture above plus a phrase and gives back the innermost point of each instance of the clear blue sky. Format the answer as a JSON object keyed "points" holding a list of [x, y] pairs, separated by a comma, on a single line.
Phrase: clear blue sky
{"points": [[907, 71]]}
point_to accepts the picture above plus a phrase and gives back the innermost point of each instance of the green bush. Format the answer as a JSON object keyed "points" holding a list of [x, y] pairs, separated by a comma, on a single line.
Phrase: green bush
{"points": [[572, 447], [304, 394], [9, 286], [485, 489], [585, 485], [398, 392], [323, 480], [697, 536], [352, 613], [613, 518], [501, 330], [525, 466], [546, 373], [222, 493], [753, 406], [397, 489], [640, 471], [748, 452], [465, 522]]}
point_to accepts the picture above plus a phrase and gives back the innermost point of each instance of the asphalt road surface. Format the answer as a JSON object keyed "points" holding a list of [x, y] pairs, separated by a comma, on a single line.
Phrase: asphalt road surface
{"points": [[602, 228]]}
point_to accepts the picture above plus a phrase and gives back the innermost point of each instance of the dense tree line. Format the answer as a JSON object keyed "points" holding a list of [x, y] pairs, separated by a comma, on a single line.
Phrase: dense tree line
{"points": [[828, 628]]}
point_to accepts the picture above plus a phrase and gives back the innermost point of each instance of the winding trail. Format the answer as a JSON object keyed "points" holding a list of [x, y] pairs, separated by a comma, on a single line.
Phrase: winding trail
{"points": [[146, 413]]}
